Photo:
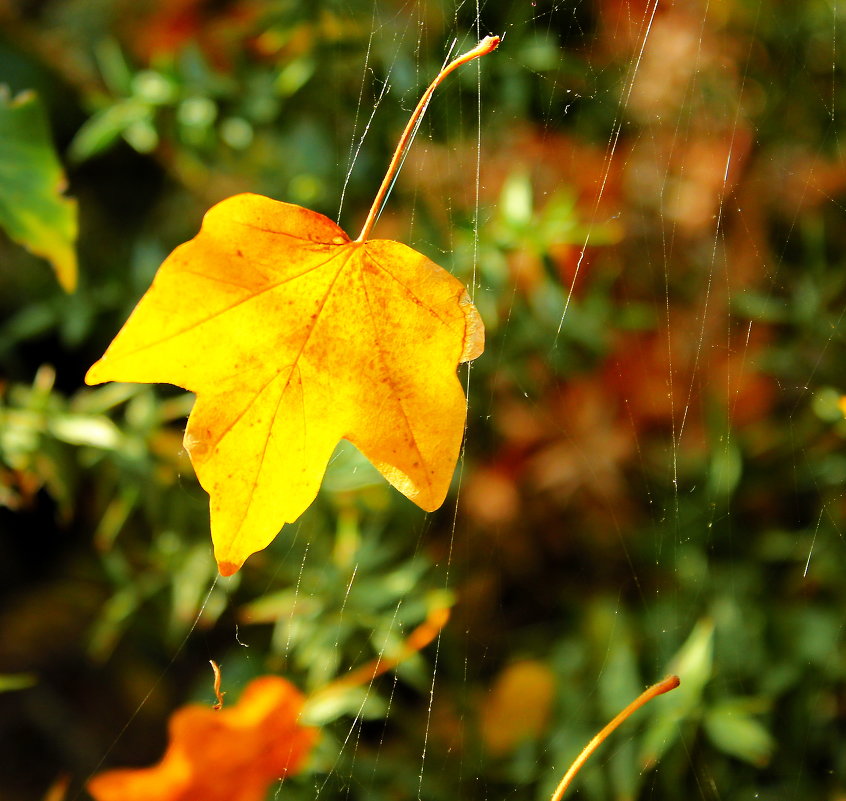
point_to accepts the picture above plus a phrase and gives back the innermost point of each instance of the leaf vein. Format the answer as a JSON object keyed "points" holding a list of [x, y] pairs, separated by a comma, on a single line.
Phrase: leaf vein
{"points": [[389, 377], [294, 366], [422, 304], [298, 237], [225, 310]]}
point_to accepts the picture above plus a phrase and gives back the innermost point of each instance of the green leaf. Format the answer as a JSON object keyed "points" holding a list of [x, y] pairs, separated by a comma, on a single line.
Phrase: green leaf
{"points": [[104, 128], [726, 469], [336, 701], [16, 681], [33, 210], [731, 728], [692, 664]]}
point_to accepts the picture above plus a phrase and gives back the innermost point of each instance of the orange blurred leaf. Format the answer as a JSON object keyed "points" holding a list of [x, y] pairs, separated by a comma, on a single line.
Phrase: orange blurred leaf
{"points": [[519, 706], [229, 755], [293, 337]]}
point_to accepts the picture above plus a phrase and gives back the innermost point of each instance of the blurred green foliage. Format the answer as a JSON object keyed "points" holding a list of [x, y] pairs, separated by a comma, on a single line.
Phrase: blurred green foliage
{"points": [[32, 209], [655, 465]]}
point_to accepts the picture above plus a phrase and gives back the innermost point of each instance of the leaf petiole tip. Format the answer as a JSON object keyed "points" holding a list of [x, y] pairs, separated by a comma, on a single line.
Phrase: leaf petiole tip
{"points": [[487, 45], [664, 686]]}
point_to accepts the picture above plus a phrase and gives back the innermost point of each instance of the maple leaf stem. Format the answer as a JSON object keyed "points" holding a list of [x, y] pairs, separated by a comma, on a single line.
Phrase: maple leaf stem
{"points": [[487, 45], [217, 677], [663, 686]]}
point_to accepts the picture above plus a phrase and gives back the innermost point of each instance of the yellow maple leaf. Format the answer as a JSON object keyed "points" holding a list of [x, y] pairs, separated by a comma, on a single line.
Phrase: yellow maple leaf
{"points": [[293, 336]]}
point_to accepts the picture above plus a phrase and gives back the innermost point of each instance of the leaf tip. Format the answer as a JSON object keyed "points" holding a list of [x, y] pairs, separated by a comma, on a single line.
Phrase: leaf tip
{"points": [[670, 683], [474, 330], [65, 266], [93, 377], [227, 568]]}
